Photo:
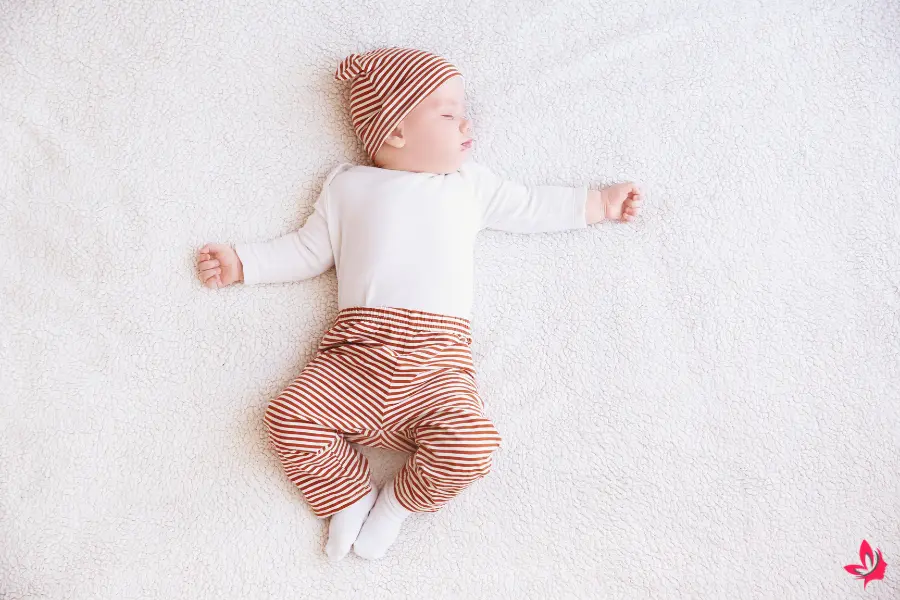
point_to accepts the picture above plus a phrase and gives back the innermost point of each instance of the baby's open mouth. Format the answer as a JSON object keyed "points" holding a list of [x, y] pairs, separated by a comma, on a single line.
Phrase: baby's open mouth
{"points": [[466, 145]]}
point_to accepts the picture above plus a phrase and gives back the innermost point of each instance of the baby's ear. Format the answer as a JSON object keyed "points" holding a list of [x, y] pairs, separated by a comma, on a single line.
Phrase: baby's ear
{"points": [[395, 138]]}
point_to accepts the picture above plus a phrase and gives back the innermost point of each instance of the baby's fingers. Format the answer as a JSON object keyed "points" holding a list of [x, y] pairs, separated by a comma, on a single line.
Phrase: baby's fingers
{"points": [[208, 274]]}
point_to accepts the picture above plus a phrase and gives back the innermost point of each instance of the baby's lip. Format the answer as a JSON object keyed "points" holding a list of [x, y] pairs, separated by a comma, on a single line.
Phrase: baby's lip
{"points": [[467, 143]]}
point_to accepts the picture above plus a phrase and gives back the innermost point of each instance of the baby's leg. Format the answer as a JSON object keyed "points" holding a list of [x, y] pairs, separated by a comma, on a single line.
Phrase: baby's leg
{"points": [[345, 526], [455, 444], [382, 525], [307, 427]]}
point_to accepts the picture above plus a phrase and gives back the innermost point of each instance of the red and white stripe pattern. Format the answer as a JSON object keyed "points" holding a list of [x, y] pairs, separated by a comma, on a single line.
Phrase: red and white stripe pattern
{"points": [[387, 84], [391, 378]]}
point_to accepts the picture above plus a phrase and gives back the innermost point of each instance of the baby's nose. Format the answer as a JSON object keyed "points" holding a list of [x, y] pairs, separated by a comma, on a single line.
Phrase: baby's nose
{"points": [[466, 125]]}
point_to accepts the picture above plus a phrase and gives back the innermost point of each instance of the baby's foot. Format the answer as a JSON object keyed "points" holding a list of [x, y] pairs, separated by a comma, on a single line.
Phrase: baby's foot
{"points": [[382, 526], [345, 525]]}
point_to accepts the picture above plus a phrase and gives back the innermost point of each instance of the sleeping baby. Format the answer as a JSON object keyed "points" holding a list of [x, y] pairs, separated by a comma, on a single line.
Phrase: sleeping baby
{"points": [[394, 370]]}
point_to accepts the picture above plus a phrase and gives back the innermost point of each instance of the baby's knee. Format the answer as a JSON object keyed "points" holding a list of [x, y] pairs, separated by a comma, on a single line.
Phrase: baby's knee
{"points": [[275, 417], [468, 445], [291, 431], [492, 439]]}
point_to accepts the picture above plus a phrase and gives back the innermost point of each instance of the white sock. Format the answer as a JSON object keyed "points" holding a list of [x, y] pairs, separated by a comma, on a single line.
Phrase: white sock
{"points": [[345, 525], [382, 525]]}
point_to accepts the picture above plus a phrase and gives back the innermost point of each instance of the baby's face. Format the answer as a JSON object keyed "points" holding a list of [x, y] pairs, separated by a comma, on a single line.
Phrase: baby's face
{"points": [[437, 134]]}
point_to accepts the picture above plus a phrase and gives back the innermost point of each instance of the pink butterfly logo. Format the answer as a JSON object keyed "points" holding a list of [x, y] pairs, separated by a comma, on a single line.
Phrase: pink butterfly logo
{"points": [[872, 566]]}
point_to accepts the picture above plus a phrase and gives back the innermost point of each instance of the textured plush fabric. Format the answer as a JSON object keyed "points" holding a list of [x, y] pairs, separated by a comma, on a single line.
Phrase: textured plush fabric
{"points": [[701, 404]]}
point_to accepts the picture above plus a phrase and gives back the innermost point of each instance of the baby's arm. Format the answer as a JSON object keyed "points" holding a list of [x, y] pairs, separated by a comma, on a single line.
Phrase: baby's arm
{"points": [[510, 206], [622, 201], [296, 256]]}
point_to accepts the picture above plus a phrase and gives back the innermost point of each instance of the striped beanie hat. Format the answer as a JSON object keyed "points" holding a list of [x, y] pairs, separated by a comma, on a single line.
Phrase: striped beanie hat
{"points": [[387, 84]]}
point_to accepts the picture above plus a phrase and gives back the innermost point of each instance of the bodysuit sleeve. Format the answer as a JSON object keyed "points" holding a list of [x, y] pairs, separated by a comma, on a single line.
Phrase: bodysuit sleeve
{"points": [[296, 256], [510, 206]]}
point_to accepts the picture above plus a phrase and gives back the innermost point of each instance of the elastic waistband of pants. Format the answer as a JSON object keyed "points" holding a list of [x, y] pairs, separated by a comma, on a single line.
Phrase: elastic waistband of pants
{"points": [[406, 318]]}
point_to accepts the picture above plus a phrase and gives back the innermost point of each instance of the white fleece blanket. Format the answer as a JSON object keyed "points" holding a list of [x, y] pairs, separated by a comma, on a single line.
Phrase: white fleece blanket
{"points": [[701, 404]]}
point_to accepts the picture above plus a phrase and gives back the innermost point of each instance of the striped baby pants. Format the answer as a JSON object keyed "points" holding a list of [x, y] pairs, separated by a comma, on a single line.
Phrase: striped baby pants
{"points": [[391, 378]]}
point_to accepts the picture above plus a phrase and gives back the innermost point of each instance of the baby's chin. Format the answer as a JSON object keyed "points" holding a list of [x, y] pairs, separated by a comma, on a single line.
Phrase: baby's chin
{"points": [[442, 164], [458, 160], [454, 166], [443, 167]]}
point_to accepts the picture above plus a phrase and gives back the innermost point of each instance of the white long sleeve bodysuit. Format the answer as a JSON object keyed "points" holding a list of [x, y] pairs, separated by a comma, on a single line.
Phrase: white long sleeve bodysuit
{"points": [[406, 240]]}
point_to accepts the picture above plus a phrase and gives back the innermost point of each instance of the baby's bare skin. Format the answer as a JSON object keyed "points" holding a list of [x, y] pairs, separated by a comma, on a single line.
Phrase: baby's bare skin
{"points": [[218, 265]]}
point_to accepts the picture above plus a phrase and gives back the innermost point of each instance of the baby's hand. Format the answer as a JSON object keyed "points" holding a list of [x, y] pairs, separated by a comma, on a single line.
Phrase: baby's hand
{"points": [[219, 265], [623, 201]]}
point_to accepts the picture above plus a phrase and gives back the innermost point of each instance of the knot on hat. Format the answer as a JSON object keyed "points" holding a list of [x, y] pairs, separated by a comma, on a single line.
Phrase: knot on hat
{"points": [[395, 81], [349, 68]]}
